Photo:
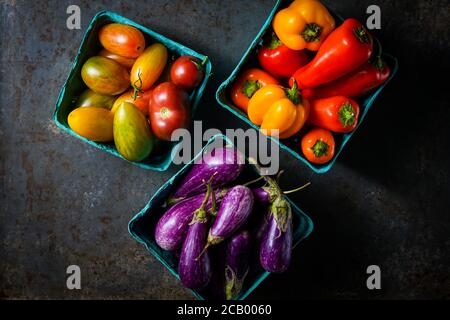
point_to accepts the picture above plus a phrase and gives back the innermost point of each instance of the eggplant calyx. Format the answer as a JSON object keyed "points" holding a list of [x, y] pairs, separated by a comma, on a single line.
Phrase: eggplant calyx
{"points": [[282, 212], [272, 193], [273, 187], [233, 283], [213, 240], [200, 215]]}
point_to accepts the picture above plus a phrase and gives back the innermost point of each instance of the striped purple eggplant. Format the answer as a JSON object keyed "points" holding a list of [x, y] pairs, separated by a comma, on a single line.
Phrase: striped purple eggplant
{"points": [[264, 195], [237, 257], [235, 209], [226, 164], [194, 266], [276, 247], [173, 225]]}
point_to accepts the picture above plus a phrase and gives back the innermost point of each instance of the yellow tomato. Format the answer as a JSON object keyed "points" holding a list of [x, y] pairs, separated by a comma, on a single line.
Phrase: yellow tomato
{"points": [[149, 66], [92, 123]]}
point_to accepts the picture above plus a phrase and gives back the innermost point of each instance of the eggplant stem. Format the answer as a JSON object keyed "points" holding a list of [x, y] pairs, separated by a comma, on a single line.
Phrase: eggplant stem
{"points": [[213, 210], [297, 189], [208, 193], [203, 251], [277, 179], [253, 181]]}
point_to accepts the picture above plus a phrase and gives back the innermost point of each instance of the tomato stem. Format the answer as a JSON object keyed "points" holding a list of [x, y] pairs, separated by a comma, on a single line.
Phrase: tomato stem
{"points": [[200, 65], [312, 32], [137, 88], [165, 112], [346, 114], [250, 87], [320, 148]]}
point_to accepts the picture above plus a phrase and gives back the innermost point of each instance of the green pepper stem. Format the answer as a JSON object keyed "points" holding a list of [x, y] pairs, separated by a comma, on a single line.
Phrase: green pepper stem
{"points": [[250, 87], [320, 148], [275, 42], [293, 93], [347, 114], [361, 34], [312, 32], [377, 61]]}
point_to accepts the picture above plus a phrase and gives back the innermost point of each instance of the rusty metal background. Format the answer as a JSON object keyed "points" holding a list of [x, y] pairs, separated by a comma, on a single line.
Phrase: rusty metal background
{"points": [[386, 201]]}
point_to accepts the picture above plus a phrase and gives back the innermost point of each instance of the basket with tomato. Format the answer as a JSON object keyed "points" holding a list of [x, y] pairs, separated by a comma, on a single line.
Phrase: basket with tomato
{"points": [[129, 89], [308, 80]]}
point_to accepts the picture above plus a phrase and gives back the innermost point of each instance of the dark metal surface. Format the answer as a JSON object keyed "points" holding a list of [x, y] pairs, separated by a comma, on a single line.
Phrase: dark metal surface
{"points": [[386, 201]]}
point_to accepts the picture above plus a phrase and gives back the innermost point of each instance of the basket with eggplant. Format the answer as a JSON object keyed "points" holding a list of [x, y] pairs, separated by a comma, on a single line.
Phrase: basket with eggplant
{"points": [[216, 230]]}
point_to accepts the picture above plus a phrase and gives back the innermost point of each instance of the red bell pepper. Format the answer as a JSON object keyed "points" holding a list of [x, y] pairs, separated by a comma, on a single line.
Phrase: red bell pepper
{"points": [[344, 50], [280, 61], [337, 114], [355, 84]]}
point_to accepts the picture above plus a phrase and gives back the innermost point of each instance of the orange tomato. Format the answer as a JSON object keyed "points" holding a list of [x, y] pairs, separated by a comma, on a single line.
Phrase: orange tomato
{"points": [[122, 39], [149, 66], [318, 146], [141, 101], [126, 62], [247, 84]]}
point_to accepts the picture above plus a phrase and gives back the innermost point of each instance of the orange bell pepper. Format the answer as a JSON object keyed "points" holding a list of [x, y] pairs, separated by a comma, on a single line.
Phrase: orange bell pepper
{"points": [[278, 110], [303, 25]]}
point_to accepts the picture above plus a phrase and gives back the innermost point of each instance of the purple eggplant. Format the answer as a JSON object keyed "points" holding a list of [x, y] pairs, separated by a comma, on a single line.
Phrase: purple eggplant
{"points": [[194, 266], [235, 209], [237, 263], [226, 164], [261, 196], [173, 225], [276, 247]]}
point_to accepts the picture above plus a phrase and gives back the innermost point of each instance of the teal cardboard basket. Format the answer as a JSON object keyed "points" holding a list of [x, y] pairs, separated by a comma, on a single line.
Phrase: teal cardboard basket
{"points": [[292, 145], [74, 85], [142, 226]]}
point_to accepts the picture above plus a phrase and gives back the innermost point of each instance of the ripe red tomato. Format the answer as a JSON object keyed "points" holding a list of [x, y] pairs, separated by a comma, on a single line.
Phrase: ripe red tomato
{"points": [[168, 110], [187, 72]]}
